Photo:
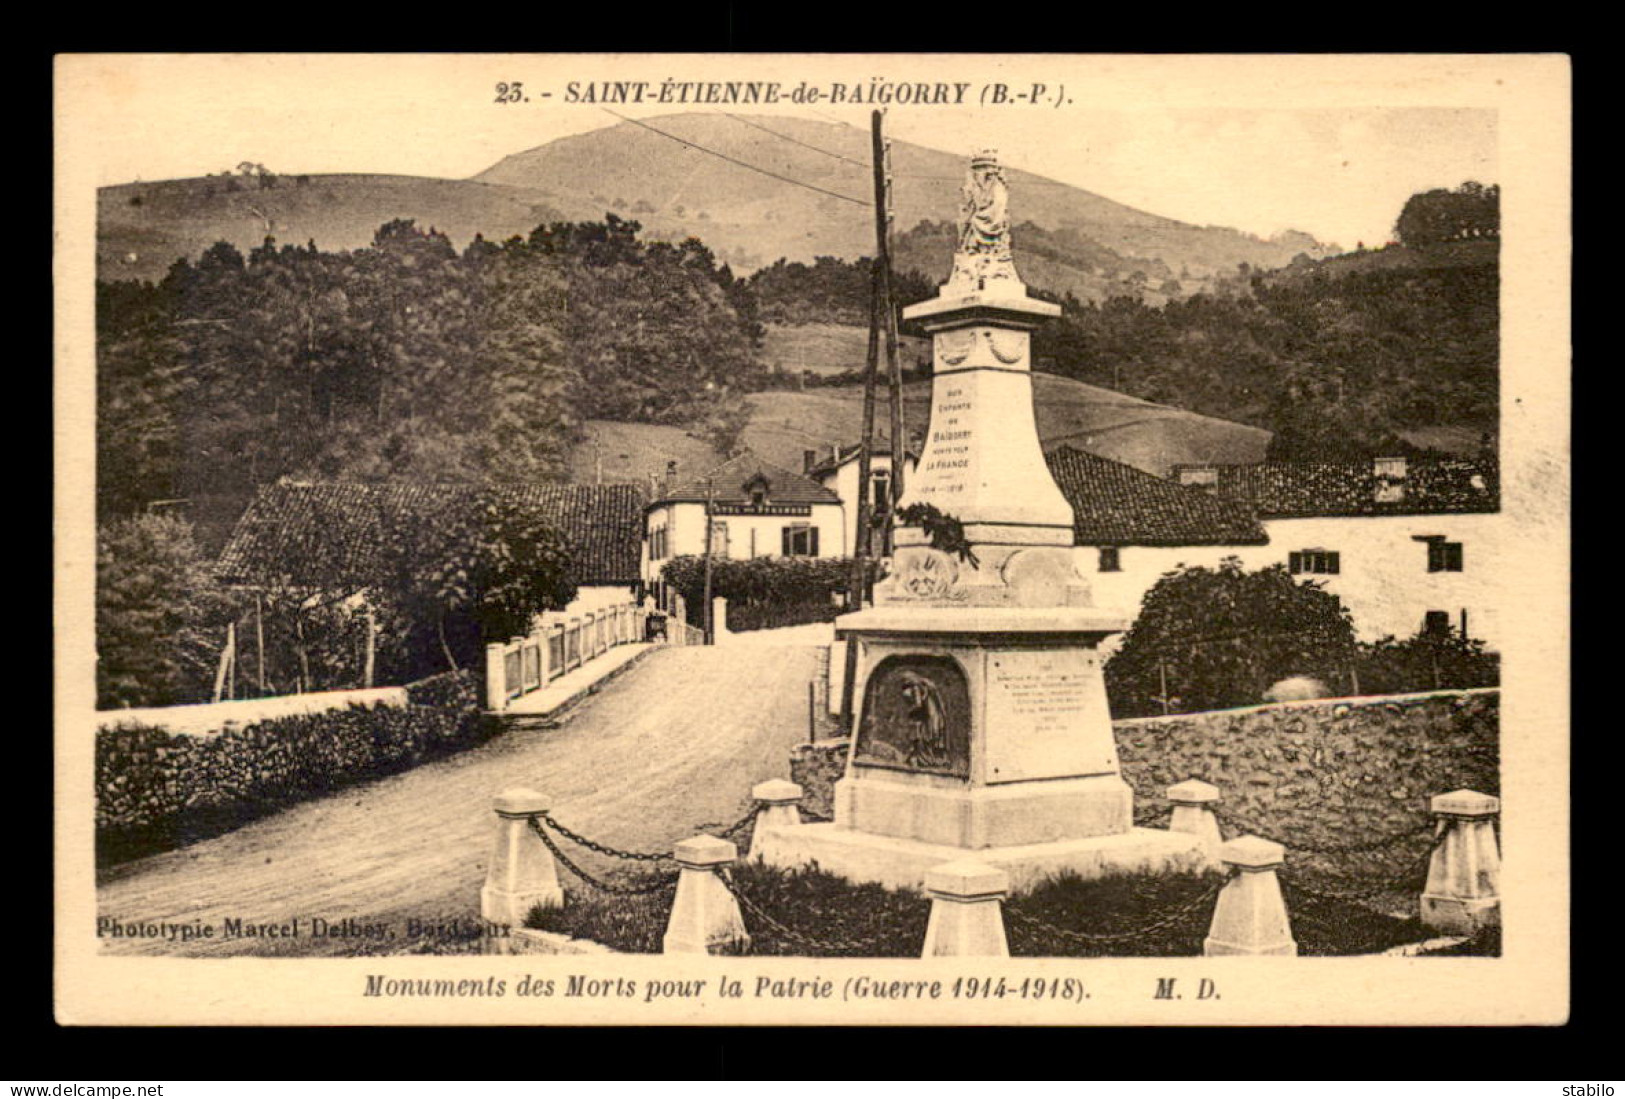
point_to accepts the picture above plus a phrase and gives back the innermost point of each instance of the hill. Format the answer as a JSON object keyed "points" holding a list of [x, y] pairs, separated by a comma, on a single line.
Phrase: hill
{"points": [[1392, 258], [831, 348], [784, 424], [142, 228], [1079, 241], [750, 219]]}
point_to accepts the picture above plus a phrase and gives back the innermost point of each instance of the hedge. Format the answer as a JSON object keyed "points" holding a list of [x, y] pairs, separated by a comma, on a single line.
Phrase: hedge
{"points": [[157, 790], [765, 592]]}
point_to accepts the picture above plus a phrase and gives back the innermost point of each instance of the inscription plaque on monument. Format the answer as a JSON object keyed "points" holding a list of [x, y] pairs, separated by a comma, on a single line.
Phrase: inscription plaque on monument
{"points": [[1048, 701], [916, 717]]}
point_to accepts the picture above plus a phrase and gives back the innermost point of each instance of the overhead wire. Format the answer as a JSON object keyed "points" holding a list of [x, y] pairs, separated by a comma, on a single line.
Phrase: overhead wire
{"points": [[738, 162], [864, 164]]}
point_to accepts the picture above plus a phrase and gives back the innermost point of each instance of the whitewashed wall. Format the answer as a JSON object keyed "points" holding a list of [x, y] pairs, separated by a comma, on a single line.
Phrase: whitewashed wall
{"points": [[844, 483], [685, 527], [1384, 579]]}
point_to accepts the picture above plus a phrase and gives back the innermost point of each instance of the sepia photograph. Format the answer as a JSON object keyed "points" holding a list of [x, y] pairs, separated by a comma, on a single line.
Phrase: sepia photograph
{"points": [[808, 539]]}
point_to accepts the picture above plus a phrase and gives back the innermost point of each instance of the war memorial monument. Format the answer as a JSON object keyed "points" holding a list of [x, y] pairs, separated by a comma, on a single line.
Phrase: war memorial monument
{"points": [[982, 729]]}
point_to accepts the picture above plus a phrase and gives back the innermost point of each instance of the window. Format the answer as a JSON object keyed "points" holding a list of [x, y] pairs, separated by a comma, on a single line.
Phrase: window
{"points": [[800, 540], [1444, 556], [1111, 559], [719, 538], [1436, 623], [657, 544], [1316, 561], [881, 479], [1390, 480]]}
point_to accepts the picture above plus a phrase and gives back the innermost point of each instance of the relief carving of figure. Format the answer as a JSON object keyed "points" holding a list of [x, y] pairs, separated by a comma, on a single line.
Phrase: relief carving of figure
{"points": [[916, 716], [927, 744]]}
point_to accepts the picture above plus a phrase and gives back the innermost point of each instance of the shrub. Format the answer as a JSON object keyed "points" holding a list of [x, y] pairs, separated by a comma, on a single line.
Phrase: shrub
{"points": [[1215, 638], [157, 790], [765, 591], [1426, 662]]}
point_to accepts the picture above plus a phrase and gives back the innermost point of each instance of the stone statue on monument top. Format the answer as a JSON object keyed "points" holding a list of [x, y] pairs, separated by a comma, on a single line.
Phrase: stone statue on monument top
{"points": [[983, 252]]}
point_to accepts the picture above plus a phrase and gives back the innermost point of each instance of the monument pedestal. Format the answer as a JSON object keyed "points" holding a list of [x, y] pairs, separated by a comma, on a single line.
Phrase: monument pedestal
{"points": [[984, 733]]}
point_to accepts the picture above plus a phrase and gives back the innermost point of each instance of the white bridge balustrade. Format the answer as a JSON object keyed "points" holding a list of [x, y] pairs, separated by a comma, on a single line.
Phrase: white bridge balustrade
{"points": [[560, 643]]}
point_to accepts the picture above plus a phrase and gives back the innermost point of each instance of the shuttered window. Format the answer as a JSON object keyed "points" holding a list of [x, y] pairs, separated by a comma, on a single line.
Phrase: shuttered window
{"points": [[1444, 556], [800, 540], [1315, 562]]}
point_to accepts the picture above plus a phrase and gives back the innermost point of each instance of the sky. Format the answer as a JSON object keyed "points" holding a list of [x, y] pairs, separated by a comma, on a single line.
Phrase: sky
{"points": [[1260, 145]]}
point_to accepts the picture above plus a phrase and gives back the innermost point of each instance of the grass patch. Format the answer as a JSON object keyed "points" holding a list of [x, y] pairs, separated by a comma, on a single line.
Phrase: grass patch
{"points": [[808, 912], [631, 925], [1485, 944], [1126, 906]]}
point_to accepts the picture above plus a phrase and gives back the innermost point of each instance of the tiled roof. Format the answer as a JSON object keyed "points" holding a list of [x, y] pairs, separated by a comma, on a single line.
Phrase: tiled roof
{"points": [[1297, 490], [729, 484], [602, 524], [1117, 505]]}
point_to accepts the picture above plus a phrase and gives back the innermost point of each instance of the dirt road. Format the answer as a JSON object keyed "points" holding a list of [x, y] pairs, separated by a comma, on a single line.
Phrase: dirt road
{"points": [[672, 744]]}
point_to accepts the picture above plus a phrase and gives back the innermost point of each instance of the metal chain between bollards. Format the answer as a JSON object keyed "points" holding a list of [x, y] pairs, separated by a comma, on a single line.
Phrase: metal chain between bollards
{"points": [[1172, 918], [737, 826], [1242, 827], [604, 849], [1406, 883], [646, 889], [755, 910]]}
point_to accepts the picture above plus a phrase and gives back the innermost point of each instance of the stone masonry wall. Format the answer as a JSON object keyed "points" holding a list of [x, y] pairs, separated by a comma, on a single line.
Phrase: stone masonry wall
{"points": [[1328, 772]]}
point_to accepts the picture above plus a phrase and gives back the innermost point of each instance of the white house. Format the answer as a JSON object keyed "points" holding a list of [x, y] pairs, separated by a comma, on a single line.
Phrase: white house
{"points": [[757, 509], [1407, 544], [838, 472]]}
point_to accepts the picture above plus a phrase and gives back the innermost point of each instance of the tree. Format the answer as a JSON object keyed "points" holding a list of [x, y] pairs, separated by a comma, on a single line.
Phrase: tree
{"points": [[160, 620], [1212, 638], [1470, 212], [471, 568]]}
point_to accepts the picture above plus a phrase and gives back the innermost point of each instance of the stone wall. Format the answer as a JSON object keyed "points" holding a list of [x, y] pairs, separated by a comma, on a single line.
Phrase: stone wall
{"points": [[1327, 772], [206, 718]]}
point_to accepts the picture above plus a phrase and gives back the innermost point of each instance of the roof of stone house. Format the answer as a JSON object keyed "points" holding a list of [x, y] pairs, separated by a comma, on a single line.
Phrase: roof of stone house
{"points": [[731, 483], [1300, 490], [1118, 505], [601, 524]]}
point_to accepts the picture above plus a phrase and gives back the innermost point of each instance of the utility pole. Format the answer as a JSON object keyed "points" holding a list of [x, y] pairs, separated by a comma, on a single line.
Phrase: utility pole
{"points": [[894, 370], [858, 584], [708, 561]]}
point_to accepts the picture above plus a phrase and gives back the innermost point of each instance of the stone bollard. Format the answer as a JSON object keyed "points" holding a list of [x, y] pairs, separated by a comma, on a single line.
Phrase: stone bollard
{"points": [[778, 805], [967, 917], [705, 916], [1463, 893], [1250, 917], [1193, 801], [521, 875]]}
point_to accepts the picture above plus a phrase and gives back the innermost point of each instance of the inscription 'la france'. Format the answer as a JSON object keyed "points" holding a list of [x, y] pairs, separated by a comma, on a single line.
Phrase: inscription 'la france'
{"points": [[950, 443]]}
